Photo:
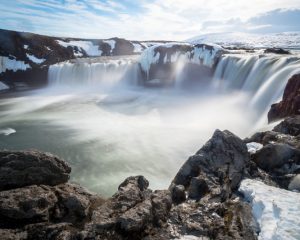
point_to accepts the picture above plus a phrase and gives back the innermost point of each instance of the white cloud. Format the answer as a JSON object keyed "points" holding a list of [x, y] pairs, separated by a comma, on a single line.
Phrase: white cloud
{"points": [[168, 19]]}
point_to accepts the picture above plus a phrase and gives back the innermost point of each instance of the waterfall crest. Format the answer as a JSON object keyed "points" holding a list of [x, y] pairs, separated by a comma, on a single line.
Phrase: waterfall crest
{"points": [[105, 72], [263, 77]]}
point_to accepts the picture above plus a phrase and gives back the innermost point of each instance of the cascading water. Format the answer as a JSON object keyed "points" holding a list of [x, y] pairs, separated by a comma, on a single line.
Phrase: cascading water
{"points": [[118, 129], [105, 72], [262, 77]]}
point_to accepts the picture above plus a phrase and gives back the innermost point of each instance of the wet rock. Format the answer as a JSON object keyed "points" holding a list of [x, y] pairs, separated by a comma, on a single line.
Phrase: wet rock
{"points": [[290, 104], [26, 205], [19, 169]]}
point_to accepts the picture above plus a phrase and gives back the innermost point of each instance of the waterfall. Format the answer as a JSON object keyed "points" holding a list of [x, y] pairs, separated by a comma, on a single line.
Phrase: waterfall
{"points": [[262, 77], [105, 72]]}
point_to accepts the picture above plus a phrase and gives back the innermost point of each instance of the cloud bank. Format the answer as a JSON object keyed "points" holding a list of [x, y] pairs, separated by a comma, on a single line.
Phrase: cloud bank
{"points": [[148, 19]]}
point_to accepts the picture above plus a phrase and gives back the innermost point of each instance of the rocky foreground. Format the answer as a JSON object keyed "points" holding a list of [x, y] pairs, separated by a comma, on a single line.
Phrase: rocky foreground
{"points": [[203, 200]]}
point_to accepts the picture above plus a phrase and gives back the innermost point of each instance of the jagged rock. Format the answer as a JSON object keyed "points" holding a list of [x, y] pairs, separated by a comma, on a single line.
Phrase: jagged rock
{"points": [[161, 205], [136, 218], [34, 204], [46, 231], [290, 104], [220, 162], [73, 203], [275, 155], [19, 169], [290, 125], [276, 51], [26, 205]]}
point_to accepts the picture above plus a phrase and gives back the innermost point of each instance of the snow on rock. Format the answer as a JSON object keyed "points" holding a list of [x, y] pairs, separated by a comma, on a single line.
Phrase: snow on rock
{"points": [[26, 46], [12, 64], [90, 49], [276, 210], [112, 44], [3, 86], [206, 54], [295, 183], [138, 48], [253, 147], [201, 54], [35, 59], [148, 57]]}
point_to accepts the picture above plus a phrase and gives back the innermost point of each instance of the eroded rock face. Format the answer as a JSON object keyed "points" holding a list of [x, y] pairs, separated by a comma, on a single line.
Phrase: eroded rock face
{"points": [[290, 104], [19, 169]]}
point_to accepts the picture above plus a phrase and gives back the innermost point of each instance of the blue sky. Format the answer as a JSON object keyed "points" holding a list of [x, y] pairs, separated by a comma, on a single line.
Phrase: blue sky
{"points": [[148, 19]]}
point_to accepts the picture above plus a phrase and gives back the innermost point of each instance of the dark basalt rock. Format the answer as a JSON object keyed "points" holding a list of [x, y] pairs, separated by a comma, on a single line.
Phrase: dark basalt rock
{"points": [[276, 50], [290, 104], [217, 166], [275, 155], [290, 126], [278, 162], [19, 169]]}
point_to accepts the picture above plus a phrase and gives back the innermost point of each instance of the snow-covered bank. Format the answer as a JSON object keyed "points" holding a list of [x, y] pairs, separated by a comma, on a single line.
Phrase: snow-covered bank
{"points": [[238, 39], [12, 64], [276, 210]]}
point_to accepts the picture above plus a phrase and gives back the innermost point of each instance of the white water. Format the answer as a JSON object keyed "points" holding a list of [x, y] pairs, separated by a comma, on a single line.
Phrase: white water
{"points": [[90, 73], [95, 116]]}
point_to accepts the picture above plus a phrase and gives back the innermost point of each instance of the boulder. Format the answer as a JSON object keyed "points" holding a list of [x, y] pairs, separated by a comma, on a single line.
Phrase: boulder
{"points": [[290, 104], [275, 155], [24, 168], [219, 165]]}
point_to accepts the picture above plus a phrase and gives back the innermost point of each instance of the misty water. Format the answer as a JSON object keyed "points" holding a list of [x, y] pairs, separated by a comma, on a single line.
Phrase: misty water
{"points": [[95, 116]]}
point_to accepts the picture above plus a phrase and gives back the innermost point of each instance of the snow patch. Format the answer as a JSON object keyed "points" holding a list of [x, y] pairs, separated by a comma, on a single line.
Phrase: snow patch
{"points": [[35, 59], [12, 64], [138, 48], [276, 210], [26, 46], [253, 147], [203, 55], [112, 44], [90, 49], [3, 86]]}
